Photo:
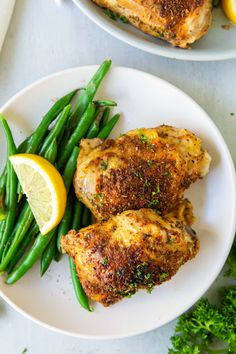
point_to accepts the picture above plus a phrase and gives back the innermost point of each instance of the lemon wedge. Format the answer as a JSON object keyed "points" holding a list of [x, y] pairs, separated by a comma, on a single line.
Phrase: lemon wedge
{"points": [[44, 189], [229, 8]]}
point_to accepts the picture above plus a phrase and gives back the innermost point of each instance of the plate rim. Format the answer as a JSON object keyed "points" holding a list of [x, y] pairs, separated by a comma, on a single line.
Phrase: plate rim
{"points": [[149, 47], [226, 250]]}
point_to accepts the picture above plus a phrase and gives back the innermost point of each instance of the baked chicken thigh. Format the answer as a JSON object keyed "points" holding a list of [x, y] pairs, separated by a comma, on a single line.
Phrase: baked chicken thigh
{"points": [[133, 250], [145, 168], [180, 22]]}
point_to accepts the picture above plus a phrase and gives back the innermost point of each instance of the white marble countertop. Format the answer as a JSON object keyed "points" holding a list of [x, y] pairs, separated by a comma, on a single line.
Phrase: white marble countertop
{"points": [[43, 39]]}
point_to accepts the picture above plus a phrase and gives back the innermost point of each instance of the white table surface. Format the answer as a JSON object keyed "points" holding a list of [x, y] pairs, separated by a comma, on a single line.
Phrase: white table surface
{"points": [[43, 39]]}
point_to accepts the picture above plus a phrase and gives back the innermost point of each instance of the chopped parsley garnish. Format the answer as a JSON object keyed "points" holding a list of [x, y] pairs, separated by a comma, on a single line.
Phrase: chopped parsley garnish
{"points": [[104, 261], [103, 165], [24, 351], [114, 16], [163, 276], [98, 199], [232, 114], [130, 291], [144, 264], [150, 162], [140, 270], [150, 288], [99, 196], [123, 19], [167, 173], [157, 190], [153, 203], [147, 276], [143, 138], [147, 183], [139, 175]]}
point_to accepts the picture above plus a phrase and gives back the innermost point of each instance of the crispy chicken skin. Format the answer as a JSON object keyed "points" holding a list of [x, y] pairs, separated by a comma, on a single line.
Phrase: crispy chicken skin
{"points": [[180, 22], [132, 250], [145, 168]]}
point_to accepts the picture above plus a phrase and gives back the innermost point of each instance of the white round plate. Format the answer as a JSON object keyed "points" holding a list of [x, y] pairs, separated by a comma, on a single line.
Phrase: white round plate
{"points": [[218, 44], [144, 101]]}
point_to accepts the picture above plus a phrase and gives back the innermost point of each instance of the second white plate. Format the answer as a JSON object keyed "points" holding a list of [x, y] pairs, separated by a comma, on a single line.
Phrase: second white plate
{"points": [[217, 44], [144, 101]]}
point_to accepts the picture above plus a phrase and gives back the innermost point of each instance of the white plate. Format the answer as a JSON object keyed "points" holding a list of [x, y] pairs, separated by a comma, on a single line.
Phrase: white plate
{"points": [[218, 44], [145, 101]]}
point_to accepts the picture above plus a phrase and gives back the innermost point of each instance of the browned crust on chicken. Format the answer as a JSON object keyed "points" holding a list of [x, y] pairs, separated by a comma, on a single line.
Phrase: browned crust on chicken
{"points": [[180, 22], [133, 250], [145, 168]]}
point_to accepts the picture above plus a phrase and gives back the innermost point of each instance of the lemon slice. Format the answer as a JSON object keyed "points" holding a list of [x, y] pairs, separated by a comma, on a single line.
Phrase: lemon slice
{"points": [[44, 189], [229, 7]]}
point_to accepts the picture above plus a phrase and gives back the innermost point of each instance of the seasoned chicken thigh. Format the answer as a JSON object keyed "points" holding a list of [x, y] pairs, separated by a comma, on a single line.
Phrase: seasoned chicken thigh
{"points": [[130, 251], [180, 22], [145, 168]]}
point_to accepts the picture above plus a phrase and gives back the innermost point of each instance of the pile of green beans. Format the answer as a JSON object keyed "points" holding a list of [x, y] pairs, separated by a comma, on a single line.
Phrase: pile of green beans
{"points": [[57, 139]]}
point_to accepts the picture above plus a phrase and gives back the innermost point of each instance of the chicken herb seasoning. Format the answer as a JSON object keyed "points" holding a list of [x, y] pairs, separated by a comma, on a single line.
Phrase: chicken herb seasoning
{"points": [[104, 261], [163, 276], [153, 203], [150, 162], [103, 165], [143, 138], [157, 191]]}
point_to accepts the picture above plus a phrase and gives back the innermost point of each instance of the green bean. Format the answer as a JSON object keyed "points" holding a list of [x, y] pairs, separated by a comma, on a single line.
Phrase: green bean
{"points": [[23, 223], [93, 130], [3, 214], [3, 178], [30, 258], [51, 152], [70, 168], [23, 246], [79, 291], [79, 132], [105, 131], [105, 117], [88, 94], [48, 255], [11, 186], [86, 219], [39, 134], [77, 214], [105, 103], [2, 227], [65, 223], [3, 181], [7, 244], [85, 98], [23, 146], [57, 254], [56, 130]]}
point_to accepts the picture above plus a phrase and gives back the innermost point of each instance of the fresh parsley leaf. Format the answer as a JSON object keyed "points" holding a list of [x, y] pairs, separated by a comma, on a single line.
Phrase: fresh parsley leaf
{"points": [[104, 261], [103, 165]]}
